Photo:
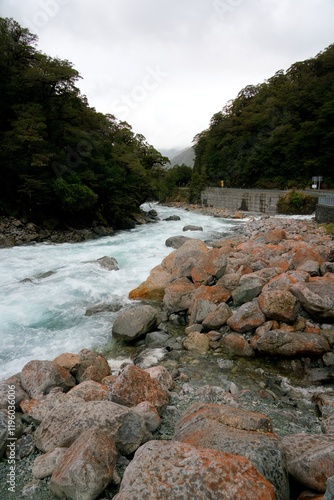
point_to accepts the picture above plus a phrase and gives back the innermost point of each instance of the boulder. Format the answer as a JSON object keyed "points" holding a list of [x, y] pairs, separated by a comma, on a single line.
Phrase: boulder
{"points": [[317, 298], [310, 458], [109, 263], [200, 309], [187, 256], [279, 304], [196, 341], [218, 317], [103, 308], [162, 375], [176, 241], [133, 323], [134, 385], [92, 366], [89, 391], [86, 468], [172, 218], [280, 282], [150, 415], [247, 317], [192, 228], [216, 294], [11, 387], [327, 425], [39, 377], [182, 471], [178, 295], [45, 464], [304, 254], [209, 268], [38, 409], [153, 288], [290, 344], [69, 361], [247, 290], [235, 344], [244, 433], [72, 418]]}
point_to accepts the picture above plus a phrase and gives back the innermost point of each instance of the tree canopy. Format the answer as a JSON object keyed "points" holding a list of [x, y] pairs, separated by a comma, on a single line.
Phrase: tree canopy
{"points": [[277, 134], [60, 159]]}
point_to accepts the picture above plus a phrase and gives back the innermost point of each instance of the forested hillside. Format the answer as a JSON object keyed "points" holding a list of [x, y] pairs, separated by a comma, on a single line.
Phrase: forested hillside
{"points": [[277, 134], [61, 161]]}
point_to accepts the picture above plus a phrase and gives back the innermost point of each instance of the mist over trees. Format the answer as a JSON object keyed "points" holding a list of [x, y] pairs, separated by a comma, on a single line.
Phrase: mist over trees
{"points": [[277, 134], [61, 161]]}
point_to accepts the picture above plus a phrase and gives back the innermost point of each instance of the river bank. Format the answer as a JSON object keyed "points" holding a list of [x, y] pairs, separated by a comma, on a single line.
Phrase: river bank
{"points": [[294, 392]]}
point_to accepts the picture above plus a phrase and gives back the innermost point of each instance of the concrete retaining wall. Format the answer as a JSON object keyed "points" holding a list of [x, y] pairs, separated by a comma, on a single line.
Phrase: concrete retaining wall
{"points": [[324, 213], [252, 200]]}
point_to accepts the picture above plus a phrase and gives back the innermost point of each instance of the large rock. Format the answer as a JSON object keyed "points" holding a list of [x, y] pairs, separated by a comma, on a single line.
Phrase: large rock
{"points": [[192, 228], [133, 323], [134, 385], [176, 241], [164, 469], [11, 387], [39, 377], [310, 458], [92, 366], [209, 268], [279, 304], [39, 408], [218, 317], [178, 295], [196, 341], [247, 317], [45, 464], [200, 310], [109, 263], [232, 430], [247, 290], [86, 468], [305, 254], [286, 343], [216, 294], [62, 427], [153, 288], [235, 344], [317, 298], [161, 375], [89, 391], [187, 256]]}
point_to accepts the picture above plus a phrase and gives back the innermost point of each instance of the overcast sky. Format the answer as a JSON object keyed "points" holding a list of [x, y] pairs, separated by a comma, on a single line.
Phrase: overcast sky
{"points": [[166, 66]]}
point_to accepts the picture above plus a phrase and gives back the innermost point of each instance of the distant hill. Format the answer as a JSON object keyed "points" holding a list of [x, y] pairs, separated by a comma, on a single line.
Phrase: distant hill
{"points": [[184, 157]]}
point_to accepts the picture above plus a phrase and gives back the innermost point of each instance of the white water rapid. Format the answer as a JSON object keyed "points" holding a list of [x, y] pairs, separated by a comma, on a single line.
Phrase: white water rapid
{"points": [[44, 316]]}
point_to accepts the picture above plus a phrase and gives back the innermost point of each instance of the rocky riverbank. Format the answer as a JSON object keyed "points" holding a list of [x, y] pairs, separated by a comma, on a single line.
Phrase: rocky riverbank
{"points": [[16, 232], [228, 360]]}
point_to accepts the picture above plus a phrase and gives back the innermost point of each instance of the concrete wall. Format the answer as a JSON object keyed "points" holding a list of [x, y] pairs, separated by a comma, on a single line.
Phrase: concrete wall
{"points": [[252, 200], [324, 213]]}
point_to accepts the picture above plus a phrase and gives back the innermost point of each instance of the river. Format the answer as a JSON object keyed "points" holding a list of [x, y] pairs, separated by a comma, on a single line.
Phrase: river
{"points": [[46, 288]]}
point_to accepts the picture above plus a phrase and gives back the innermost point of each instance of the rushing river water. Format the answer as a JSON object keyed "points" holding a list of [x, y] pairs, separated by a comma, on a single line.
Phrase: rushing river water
{"points": [[46, 289]]}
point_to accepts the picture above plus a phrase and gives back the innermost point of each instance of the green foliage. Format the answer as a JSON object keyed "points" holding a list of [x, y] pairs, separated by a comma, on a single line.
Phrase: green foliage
{"points": [[329, 228], [294, 202], [170, 183], [278, 134], [59, 158]]}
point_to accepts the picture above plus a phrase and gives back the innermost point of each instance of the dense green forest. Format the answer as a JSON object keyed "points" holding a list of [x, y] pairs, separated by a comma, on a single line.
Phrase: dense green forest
{"points": [[278, 134], [61, 161]]}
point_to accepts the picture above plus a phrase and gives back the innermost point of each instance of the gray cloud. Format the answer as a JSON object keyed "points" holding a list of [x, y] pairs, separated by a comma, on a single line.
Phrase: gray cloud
{"points": [[168, 66]]}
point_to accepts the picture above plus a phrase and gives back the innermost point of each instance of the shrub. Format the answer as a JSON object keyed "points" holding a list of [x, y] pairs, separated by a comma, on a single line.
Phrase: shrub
{"points": [[296, 203]]}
